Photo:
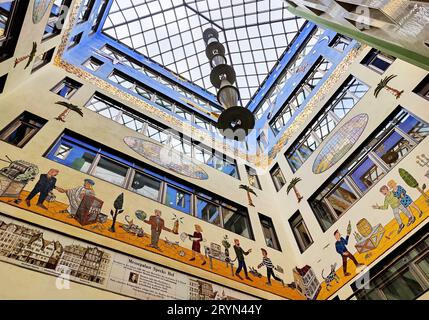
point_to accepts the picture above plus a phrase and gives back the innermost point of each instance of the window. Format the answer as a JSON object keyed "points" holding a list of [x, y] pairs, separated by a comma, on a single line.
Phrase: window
{"points": [[253, 178], [269, 232], [85, 10], [378, 61], [119, 57], [297, 100], [101, 10], [146, 186], [178, 199], [67, 88], [423, 88], [75, 40], [56, 18], [42, 60], [22, 129], [110, 171], [340, 43], [12, 15], [402, 275], [236, 221], [300, 231], [93, 64], [3, 82], [337, 108], [290, 70], [278, 177], [208, 211], [376, 157]]}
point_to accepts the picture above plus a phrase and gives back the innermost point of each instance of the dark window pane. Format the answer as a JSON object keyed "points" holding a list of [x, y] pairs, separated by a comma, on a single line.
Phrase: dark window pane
{"points": [[236, 222], [111, 171], [208, 212], [146, 186]]}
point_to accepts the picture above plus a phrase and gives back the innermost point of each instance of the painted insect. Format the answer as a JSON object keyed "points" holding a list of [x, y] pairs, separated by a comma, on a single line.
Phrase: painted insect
{"points": [[331, 276]]}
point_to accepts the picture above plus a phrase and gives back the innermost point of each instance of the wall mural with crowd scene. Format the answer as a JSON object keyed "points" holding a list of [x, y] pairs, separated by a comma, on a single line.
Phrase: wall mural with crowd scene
{"points": [[157, 233]]}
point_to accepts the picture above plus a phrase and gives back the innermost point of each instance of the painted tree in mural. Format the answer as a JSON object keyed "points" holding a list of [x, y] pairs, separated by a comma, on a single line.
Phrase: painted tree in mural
{"points": [[412, 182], [30, 57], [118, 206], [292, 186], [177, 222], [69, 107], [249, 191], [384, 84]]}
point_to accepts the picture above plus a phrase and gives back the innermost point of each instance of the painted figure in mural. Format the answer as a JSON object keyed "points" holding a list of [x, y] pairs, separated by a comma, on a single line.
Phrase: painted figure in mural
{"points": [[196, 238], [270, 267], [403, 197], [240, 253], [46, 184], [76, 195], [396, 205], [341, 248], [157, 225]]}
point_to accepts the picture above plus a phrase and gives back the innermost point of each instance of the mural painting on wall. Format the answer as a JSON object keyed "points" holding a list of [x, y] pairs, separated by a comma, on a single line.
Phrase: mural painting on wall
{"points": [[78, 261], [30, 57], [39, 9], [341, 143], [84, 210], [384, 84], [292, 186], [167, 157], [372, 241], [249, 192], [69, 107]]}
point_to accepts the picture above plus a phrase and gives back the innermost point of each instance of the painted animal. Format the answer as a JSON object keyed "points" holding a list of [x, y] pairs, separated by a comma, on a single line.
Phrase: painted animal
{"points": [[331, 276]]}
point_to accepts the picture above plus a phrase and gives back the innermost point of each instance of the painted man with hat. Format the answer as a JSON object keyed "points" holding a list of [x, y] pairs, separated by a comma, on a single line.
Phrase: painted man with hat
{"points": [[77, 194]]}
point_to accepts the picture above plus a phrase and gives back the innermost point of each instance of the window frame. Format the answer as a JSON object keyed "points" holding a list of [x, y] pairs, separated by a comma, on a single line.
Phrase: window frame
{"points": [[377, 54], [17, 122], [267, 222], [294, 221]]}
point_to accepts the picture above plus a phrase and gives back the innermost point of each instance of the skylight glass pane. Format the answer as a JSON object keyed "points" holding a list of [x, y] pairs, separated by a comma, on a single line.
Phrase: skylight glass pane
{"points": [[255, 33]]}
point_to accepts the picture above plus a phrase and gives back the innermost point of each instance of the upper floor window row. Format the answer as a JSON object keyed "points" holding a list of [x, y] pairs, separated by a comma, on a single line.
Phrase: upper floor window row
{"points": [[85, 10], [291, 69], [301, 94], [137, 88], [120, 58], [99, 16], [94, 159], [387, 146], [133, 121], [12, 15], [337, 108], [57, 18]]}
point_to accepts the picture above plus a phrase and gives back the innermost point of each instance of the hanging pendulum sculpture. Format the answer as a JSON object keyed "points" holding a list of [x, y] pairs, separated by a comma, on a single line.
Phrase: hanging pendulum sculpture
{"points": [[235, 122]]}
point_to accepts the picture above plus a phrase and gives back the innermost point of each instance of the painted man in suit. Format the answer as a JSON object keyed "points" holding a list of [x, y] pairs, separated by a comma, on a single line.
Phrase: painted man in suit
{"points": [[46, 184], [157, 225], [240, 253]]}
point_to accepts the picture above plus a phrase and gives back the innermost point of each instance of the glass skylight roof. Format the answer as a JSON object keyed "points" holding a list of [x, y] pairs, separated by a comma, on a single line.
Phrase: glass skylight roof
{"points": [[255, 32]]}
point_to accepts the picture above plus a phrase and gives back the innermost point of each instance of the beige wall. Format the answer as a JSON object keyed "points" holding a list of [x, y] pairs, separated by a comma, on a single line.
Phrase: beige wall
{"points": [[26, 284]]}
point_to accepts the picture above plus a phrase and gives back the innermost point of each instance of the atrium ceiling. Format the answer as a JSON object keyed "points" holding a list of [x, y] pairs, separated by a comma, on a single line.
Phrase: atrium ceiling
{"points": [[256, 33]]}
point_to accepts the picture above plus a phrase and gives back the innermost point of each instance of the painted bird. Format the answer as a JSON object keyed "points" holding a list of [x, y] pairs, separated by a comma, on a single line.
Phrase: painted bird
{"points": [[31, 55], [69, 107]]}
